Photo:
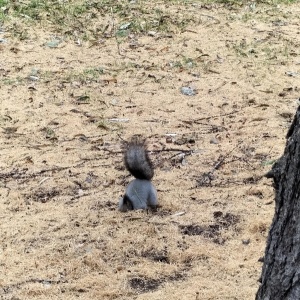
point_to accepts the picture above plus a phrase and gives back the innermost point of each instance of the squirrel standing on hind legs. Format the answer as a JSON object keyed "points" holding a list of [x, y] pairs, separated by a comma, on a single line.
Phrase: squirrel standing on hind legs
{"points": [[140, 193]]}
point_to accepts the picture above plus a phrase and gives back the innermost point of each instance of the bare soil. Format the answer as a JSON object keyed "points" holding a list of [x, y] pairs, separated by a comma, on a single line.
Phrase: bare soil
{"points": [[67, 107]]}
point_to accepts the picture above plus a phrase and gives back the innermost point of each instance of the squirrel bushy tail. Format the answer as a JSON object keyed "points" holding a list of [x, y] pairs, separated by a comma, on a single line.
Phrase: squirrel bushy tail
{"points": [[140, 192], [137, 160]]}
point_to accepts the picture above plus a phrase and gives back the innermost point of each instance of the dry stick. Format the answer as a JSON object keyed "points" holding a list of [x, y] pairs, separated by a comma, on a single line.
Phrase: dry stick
{"points": [[21, 174], [32, 280], [218, 87], [240, 159], [211, 17], [221, 162], [119, 135], [217, 166], [184, 155], [151, 151], [215, 116], [212, 126], [77, 136]]}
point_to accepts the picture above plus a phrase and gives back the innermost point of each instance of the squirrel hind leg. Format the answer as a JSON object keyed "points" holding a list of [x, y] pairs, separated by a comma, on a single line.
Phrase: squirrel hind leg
{"points": [[152, 208], [125, 204]]}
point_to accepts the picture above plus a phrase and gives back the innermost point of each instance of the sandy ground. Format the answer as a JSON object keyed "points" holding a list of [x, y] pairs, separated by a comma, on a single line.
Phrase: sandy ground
{"points": [[64, 113]]}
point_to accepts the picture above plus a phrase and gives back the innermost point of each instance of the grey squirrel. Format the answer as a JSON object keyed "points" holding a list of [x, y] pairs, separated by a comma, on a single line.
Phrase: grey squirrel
{"points": [[140, 193]]}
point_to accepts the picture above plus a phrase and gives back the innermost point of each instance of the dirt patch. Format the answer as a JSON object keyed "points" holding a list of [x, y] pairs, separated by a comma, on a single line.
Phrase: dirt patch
{"points": [[43, 195], [145, 285], [213, 231], [156, 255]]}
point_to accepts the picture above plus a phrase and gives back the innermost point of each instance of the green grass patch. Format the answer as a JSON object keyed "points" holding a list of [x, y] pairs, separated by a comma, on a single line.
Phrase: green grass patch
{"points": [[12, 80], [93, 19], [84, 76], [245, 2], [3, 9]]}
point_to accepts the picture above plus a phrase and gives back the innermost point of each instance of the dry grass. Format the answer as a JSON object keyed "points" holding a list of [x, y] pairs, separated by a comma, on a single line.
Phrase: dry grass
{"points": [[74, 83]]}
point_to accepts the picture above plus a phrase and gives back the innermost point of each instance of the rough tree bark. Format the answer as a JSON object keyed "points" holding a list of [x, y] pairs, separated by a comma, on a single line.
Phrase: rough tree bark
{"points": [[280, 278]]}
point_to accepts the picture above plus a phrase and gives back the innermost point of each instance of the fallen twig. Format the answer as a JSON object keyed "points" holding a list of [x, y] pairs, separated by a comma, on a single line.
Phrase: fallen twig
{"points": [[209, 176]]}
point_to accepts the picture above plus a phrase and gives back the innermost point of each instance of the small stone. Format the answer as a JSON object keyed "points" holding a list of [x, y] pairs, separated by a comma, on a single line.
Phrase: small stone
{"points": [[188, 91], [169, 140], [282, 94], [120, 268], [114, 102], [246, 242], [125, 26], [261, 259], [152, 33], [214, 140], [291, 74], [33, 78]]}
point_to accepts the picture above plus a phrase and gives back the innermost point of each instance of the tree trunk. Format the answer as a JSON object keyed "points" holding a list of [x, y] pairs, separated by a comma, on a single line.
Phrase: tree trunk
{"points": [[280, 278]]}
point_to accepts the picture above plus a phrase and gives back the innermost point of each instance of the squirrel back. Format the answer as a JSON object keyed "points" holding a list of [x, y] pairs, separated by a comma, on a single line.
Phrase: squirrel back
{"points": [[140, 192], [137, 160]]}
